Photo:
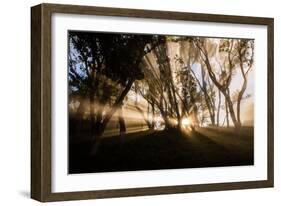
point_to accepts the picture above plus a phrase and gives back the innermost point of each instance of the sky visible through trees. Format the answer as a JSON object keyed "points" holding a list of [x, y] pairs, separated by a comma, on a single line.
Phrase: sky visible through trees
{"points": [[120, 84]]}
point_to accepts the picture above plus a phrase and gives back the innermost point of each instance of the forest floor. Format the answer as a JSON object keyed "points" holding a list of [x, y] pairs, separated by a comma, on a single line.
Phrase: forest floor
{"points": [[167, 149]]}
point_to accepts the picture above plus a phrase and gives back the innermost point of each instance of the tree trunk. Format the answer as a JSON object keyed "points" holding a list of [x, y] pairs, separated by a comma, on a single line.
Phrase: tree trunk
{"points": [[244, 86], [145, 118], [240, 96], [175, 103], [223, 88], [195, 120], [165, 118], [212, 115], [225, 92], [102, 126], [226, 113], [207, 97], [122, 125], [177, 109], [218, 110], [231, 111]]}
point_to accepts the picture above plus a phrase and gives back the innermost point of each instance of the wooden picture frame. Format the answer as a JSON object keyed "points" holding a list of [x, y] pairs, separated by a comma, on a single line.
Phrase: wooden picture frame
{"points": [[41, 96]]}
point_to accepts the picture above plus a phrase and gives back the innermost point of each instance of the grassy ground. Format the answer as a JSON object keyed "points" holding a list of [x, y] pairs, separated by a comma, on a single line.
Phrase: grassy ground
{"points": [[168, 149]]}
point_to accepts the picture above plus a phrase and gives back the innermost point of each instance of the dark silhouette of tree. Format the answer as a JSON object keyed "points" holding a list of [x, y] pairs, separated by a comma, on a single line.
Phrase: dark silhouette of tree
{"points": [[179, 77], [174, 93], [103, 68]]}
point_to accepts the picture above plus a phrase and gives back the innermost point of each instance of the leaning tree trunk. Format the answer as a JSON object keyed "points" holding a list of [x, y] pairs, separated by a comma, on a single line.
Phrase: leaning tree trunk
{"points": [[102, 126], [223, 88], [225, 92]]}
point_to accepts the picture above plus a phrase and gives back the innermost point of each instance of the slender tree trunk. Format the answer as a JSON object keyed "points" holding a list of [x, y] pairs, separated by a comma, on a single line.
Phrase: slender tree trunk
{"points": [[231, 112], [225, 92], [210, 110], [166, 120], [195, 120], [208, 103], [122, 124], [176, 107], [244, 85], [218, 110], [145, 118], [226, 113], [164, 114], [102, 126], [223, 88], [240, 96], [174, 97], [207, 97]]}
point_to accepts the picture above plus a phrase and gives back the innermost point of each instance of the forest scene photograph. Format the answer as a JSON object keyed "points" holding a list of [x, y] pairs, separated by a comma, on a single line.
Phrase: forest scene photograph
{"points": [[152, 101]]}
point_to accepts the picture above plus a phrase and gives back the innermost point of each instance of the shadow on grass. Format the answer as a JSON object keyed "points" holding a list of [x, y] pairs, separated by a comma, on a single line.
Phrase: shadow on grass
{"points": [[167, 149]]}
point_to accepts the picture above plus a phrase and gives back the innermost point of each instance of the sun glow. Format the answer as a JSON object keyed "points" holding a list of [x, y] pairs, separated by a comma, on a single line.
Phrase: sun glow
{"points": [[185, 122]]}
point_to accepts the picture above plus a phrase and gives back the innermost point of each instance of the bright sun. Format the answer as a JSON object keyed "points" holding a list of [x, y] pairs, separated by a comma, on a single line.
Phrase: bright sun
{"points": [[185, 122]]}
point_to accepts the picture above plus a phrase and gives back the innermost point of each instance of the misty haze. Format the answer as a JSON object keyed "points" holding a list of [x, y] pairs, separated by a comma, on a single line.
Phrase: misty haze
{"points": [[146, 102]]}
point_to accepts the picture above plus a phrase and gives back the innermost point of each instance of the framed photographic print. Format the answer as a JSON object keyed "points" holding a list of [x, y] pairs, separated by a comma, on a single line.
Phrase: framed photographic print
{"points": [[132, 102]]}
